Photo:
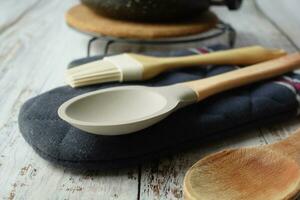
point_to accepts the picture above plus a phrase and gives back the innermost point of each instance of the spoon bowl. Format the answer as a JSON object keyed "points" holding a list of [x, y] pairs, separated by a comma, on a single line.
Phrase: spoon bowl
{"points": [[122, 110], [248, 174]]}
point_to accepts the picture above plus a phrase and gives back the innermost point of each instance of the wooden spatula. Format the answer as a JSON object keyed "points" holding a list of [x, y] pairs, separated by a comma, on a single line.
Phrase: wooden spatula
{"points": [[271, 172]]}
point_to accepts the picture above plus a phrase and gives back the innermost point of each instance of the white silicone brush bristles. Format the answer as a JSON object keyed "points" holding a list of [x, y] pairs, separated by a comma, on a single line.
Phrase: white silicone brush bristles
{"points": [[92, 73], [115, 68]]}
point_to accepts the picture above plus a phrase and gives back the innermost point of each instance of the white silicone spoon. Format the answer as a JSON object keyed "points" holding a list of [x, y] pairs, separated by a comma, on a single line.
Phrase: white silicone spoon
{"points": [[127, 109]]}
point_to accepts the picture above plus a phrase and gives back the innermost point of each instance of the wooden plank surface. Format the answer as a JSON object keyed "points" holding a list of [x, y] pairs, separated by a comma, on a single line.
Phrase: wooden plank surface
{"points": [[34, 52], [284, 15], [36, 46]]}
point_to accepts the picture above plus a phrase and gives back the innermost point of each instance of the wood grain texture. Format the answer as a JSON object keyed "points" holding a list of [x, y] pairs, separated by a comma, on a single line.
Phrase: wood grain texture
{"points": [[36, 46], [252, 28], [285, 15], [241, 77], [163, 180], [245, 173], [34, 52], [11, 14]]}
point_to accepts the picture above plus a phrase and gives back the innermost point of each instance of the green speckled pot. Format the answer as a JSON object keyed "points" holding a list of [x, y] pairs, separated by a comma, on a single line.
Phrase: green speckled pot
{"points": [[155, 10]]}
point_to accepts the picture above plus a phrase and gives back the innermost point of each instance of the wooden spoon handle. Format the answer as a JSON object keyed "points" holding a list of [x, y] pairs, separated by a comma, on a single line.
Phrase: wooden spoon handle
{"points": [[210, 86], [289, 146]]}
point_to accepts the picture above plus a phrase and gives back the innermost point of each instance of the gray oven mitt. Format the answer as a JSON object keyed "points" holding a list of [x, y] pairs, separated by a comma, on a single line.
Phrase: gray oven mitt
{"points": [[228, 113]]}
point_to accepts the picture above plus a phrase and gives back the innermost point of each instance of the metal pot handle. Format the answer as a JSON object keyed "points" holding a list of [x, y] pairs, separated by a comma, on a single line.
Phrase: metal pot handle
{"points": [[231, 4]]}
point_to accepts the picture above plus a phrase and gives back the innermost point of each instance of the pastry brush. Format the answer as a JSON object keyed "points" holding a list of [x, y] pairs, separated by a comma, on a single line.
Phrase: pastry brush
{"points": [[134, 67]]}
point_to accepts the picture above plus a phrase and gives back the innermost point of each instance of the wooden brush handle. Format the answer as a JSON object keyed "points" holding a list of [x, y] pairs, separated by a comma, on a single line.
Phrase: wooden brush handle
{"points": [[210, 86], [289, 146], [242, 56], [153, 66]]}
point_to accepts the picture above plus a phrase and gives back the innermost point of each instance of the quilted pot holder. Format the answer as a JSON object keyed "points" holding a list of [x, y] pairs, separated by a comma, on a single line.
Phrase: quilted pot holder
{"points": [[228, 113]]}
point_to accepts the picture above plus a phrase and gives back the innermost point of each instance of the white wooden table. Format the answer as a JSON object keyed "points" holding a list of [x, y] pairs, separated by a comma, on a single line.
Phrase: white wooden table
{"points": [[35, 48]]}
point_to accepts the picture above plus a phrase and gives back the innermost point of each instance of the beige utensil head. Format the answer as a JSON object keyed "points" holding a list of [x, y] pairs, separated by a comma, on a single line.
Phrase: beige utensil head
{"points": [[124, 109], [247, 174]]}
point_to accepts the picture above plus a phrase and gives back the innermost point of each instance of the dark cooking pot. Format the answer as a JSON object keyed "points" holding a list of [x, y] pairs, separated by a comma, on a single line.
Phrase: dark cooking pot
{"points": [[155, 10]]}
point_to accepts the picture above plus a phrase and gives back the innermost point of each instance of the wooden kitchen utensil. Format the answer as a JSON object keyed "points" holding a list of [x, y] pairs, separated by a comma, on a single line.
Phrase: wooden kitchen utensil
{"points": [[132, 67], [127, 109], [271, 172]]}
